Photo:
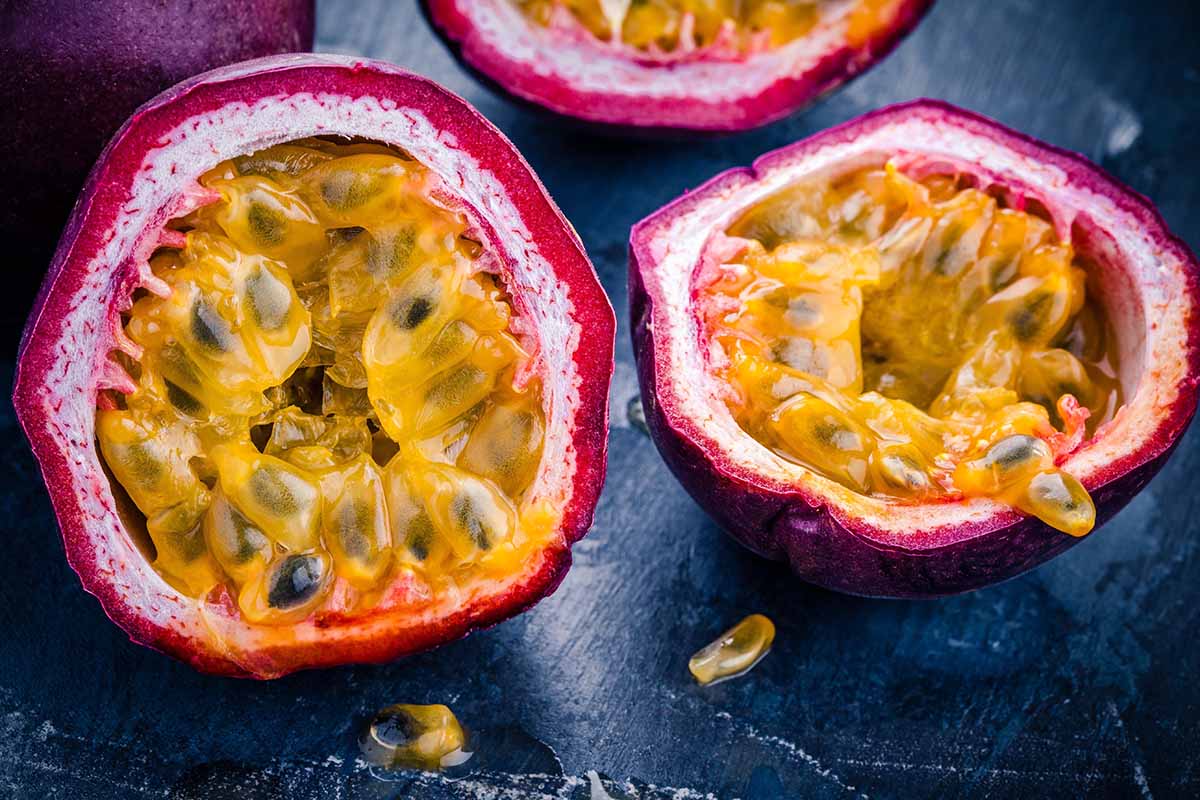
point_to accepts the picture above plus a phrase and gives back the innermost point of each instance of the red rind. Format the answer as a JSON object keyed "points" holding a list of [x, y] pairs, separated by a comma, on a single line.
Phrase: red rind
{"points": [[937, 549], [534, 64], [75, 321]]}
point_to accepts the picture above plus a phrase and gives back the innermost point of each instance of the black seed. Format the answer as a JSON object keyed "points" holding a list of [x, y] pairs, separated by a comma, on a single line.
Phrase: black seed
{"points": [[1002, 272], [355, 518], [453, 389], [450, 339], [418, 544], [295, 582], [824, 433], [183, 401], [391, 254], [269, 300], [1052, 488], [174, 357], [777, 299], [395, 728], [250, 540], [412, 312], [143, 463], [465, 515], [420, 536], [209, 329], [246, 550], [272, 492], [1028, 320], [904, 471], [830, 432], [939, 263], [190, 544], [266, 224], [345, 189], [801, 355], [1013, 450]]}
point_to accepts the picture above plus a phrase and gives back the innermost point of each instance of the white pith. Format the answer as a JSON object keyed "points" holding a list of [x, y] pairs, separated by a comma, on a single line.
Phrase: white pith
{"points": [[590, 65], [164, 188], [1142, 287]]}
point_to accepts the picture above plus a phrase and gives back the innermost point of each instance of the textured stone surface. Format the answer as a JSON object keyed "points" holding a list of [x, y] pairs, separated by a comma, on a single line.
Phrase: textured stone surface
{"points": [[1075, 680]]}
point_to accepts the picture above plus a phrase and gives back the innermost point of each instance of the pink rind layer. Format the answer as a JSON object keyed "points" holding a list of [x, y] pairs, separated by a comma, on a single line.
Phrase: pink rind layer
{"points": [[144, 178], [580, 77], [870, 547]]}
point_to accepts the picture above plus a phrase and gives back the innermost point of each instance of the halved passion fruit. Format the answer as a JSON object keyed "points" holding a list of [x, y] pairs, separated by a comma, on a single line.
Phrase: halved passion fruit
{"points": [[916, 354], [308, 381], [672, 65]]}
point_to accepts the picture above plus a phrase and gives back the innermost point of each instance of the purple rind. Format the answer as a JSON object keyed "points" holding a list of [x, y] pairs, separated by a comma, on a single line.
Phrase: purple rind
{"points": [[672, 117], [74, 70], [50, 395], [832, 549]]}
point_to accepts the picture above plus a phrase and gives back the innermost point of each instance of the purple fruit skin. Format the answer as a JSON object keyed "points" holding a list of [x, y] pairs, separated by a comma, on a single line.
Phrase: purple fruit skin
{"points": [[102, 201], [786, 526], [71, 71], [825, 552]]}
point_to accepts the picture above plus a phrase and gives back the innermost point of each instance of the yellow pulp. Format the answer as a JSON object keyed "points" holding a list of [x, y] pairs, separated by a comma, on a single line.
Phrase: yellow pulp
{"points": [[916, 340], [735, 652], [327, 394], [415, 737], [744, 24]]}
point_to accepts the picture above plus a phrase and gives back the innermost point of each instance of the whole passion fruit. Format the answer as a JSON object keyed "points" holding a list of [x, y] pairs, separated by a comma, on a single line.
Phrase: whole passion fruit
{"points": [[916, 354], [308, 380], [672, 65], [72, 71]]}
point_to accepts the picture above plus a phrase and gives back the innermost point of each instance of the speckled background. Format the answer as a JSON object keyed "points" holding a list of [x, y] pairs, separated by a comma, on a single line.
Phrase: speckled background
{"points": [[1078, 680]]}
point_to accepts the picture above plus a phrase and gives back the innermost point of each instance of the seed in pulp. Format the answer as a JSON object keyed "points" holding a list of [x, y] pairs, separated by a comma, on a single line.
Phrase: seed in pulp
{"points": [[415, 737]]}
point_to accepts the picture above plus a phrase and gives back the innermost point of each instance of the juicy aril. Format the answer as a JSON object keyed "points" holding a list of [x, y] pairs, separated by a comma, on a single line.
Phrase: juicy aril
{"points": [[319, 372], [916, 354]]}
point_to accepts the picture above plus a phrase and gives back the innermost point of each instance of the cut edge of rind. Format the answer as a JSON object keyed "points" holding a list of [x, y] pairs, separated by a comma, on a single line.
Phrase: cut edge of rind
{"points": [[178, 631], [787, 92], [790, 521]]}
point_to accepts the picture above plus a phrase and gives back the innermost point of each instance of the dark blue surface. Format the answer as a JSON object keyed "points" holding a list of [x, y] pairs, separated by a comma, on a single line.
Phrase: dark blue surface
{"points": [[1080, 679]]}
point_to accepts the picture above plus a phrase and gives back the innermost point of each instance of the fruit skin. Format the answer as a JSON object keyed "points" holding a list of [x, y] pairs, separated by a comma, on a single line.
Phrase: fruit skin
{"points": [[614, 110], [852, 545], [143, 179], [74, 70]]}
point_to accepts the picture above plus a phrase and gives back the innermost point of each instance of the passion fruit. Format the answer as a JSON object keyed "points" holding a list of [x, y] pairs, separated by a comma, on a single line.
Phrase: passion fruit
{"points": [[916, 354], [308, 380], [72, 71], [672, 65]]}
